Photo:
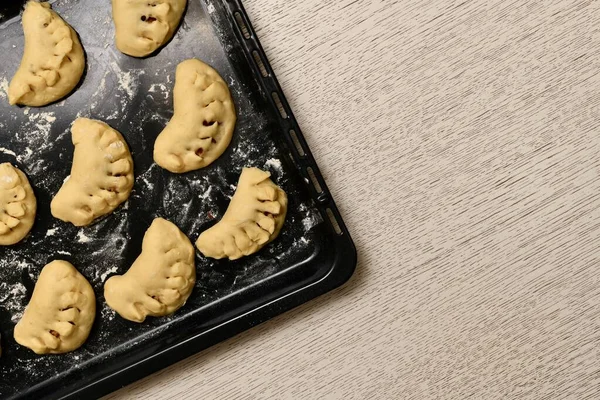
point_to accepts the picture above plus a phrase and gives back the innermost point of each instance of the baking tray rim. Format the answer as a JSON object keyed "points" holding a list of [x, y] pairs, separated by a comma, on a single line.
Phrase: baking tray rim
{"points": [[343, 248]]}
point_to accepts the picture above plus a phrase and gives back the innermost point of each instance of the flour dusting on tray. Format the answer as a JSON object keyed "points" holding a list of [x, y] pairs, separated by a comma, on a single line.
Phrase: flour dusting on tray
{"points": [[135, 97]]}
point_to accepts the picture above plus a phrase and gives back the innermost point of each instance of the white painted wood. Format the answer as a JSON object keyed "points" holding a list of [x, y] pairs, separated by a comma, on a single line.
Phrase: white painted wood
{"points": [[461, 142]]}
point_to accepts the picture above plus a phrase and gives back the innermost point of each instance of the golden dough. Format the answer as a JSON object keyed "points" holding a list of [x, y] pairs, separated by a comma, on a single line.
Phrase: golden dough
{"points": [[203, 121], [61, 311], [53, 60], [160, 280], [101, 175], [253, 219], [17, 205], [142, 26]]}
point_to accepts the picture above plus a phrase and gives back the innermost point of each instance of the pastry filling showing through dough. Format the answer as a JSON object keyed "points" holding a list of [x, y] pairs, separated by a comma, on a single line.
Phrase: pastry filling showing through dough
{"points": [[203, 120], [253, 219], [61, 312], [53, 59], [101, 176], [17, 205], [160, 280], [142, 26]]}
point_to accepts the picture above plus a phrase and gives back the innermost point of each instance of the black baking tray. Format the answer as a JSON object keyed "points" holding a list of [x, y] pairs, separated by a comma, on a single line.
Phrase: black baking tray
{"points": [[313, 254]]}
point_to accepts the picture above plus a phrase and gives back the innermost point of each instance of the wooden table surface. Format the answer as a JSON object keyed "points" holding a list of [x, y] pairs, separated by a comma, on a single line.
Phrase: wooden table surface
{"points": [[460, 140]]}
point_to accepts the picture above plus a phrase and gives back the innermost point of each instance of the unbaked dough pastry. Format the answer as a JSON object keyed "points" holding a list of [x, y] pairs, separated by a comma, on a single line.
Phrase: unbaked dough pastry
{"points": [[142, 26], [61, 311], [53, 60], [203, 121], [17, 205], [160, 280], [101, 175], [253, 219]]}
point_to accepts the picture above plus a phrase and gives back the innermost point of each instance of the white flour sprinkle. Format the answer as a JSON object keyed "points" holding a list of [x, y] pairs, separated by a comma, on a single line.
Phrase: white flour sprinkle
{"points": [[108, 313], [43, 116], [81, 238], [7, 151], [22, 264], [17, 315], [43, 121], [275, 164], [128, 81], [11, 298], [311, 219], [114, 115], [51, 232], [100, 92], [149, 184], [205, 195], [4, 88], [102, 86], [35, 131], [125, 83], [145, 177], [64, 253], [309, 222], [108, 272], [159, 88], [25, 156]]}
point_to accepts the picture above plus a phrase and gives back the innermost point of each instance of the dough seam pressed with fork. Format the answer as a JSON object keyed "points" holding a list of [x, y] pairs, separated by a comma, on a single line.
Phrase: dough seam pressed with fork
{"points": [[61, 312], [18, 205], [53, 60], [253, 219], [203, 122], [160, 280], [101, 175]]}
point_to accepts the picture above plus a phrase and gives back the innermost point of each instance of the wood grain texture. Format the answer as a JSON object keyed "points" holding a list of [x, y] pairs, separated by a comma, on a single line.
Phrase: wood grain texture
{"points": [[460, 140]]}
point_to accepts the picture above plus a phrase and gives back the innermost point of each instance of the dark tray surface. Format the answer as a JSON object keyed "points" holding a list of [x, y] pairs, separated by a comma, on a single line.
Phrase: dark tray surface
{"points": [[134, 96]]}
